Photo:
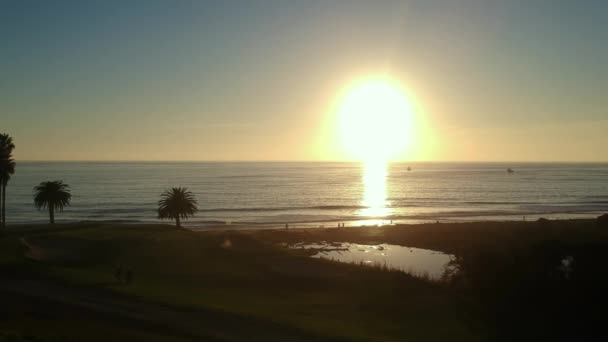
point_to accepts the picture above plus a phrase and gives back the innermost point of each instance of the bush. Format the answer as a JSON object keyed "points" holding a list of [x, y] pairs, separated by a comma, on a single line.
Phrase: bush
{"points": [[602, 220], [542, 222]]}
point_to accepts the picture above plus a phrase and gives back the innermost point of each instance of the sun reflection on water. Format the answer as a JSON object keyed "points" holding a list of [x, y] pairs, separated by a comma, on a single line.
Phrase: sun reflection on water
{"points": [[374, 186]]}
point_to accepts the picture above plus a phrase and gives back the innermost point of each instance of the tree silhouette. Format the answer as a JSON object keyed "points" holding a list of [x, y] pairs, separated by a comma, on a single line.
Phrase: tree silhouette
{"points": [[176, 204], [52, 195], [7, 168]]}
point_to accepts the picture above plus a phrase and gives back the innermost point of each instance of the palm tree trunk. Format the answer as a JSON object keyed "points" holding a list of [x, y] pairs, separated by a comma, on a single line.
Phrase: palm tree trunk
{"points": [[177, 222], [52, 214], [3, 205]]}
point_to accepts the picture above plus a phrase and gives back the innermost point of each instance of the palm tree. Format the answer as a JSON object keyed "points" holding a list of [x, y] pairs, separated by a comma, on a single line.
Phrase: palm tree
{"points": [[175, 204], [52, 195], [7, 168]]}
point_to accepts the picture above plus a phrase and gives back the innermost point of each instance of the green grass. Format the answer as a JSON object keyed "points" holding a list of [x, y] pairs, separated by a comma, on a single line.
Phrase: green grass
{"points": [[252, 277], [508, 288]]}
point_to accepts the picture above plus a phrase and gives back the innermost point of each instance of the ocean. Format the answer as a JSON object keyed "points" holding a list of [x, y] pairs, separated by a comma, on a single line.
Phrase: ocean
{"points": [[313, 194]]}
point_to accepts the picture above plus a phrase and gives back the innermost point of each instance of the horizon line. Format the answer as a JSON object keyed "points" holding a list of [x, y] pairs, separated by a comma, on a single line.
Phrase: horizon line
{"points": [[300, 161]]}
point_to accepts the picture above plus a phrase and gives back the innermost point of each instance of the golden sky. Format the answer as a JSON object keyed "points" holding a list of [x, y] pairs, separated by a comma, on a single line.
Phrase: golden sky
{"points": [[263, 80]]}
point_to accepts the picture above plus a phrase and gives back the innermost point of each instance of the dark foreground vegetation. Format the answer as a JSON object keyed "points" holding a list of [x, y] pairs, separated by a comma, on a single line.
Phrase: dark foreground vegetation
{"points": [[517, 281]]}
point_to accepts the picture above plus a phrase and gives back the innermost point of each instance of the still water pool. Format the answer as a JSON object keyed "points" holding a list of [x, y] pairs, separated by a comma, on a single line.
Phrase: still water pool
{"points": [[416, 261]]}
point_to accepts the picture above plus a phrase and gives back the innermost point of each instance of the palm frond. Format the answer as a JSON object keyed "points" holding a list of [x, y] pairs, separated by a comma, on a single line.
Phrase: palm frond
{"points": [[177, 202], [6, 145], [7, 168], [54, 194], [7, 164]]}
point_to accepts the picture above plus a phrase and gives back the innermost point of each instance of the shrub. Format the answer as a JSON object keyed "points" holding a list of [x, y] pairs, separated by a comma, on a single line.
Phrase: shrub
{"points": [[602, 220]]}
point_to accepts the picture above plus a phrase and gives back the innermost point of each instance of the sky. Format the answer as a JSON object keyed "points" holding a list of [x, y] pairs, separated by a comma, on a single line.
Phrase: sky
{"points": [[259, 80]]}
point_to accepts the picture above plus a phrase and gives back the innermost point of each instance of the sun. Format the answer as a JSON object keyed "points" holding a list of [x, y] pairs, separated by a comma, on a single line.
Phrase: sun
{"points": [[375, 120]]}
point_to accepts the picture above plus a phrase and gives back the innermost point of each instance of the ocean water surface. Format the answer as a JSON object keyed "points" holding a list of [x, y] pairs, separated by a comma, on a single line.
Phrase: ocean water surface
{"points": [[312, 194]]}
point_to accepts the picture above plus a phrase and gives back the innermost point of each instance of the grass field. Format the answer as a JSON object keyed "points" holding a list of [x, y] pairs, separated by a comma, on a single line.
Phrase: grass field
{"points": [[271, 291], [59, 283]]}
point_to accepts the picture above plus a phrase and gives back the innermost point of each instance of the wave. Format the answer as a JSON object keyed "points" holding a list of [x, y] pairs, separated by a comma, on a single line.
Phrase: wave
{"points": [[336, 207], [534, 203], [132, 210], [348, 210], [497, 202], [261, 209]]}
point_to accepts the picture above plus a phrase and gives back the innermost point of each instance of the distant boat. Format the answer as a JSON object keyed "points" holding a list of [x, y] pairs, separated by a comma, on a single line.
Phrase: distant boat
{"points": [[510, 170], [409, 168]]}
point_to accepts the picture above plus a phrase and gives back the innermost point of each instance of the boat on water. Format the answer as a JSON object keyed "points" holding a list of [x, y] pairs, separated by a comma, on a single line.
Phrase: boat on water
{"points": [[510, 170]]}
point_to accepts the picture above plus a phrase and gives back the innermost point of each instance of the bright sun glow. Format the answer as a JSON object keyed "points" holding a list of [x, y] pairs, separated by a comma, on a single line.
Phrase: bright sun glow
{"points": [[375, 125], [375, 121]]}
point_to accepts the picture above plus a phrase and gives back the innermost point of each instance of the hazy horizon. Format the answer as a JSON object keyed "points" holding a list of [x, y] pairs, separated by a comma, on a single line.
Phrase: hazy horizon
{"points": [[310, 161]]}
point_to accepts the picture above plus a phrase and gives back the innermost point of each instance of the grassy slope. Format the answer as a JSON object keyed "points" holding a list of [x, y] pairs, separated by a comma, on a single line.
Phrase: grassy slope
{"points": [[246, 276]]}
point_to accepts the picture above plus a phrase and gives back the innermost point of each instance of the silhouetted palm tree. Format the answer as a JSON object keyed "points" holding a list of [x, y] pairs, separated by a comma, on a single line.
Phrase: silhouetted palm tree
{"points": [[52, 195], [176, 204], [7, 168]]}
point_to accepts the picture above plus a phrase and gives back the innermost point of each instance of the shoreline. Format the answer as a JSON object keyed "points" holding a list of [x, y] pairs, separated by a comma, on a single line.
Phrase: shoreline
{"points": [[452, 237], [401, 233], [328, 224]]}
